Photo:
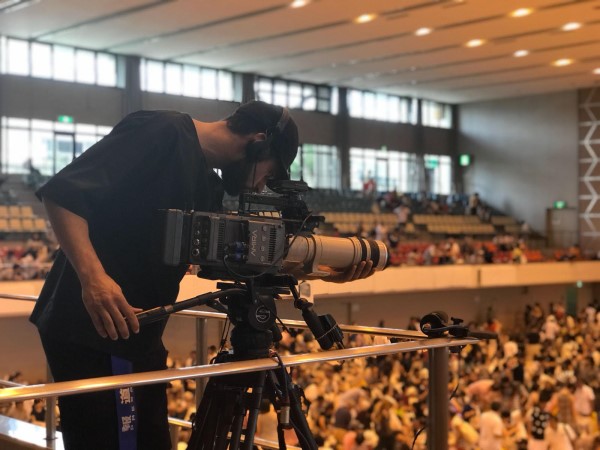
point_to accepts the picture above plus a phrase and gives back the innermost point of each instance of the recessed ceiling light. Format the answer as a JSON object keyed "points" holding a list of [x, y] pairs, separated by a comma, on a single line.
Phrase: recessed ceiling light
{"points": [[364, 18], [423, 31], [563, 62], [571, 26], [475, 43], [596, 71], [520, 53], [521, 12], [299, 3]]}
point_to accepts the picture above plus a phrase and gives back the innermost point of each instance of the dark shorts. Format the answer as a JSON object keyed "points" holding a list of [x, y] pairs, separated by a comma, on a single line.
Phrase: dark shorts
{"points": [[89, 421]]}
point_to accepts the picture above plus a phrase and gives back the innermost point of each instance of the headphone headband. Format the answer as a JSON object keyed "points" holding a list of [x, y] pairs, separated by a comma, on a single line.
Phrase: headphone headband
{"points": [[281, 123]]}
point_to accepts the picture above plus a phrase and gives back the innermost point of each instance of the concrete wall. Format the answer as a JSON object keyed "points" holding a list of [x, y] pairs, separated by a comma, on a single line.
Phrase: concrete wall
{"points": [[524, 153], [46, 99]]}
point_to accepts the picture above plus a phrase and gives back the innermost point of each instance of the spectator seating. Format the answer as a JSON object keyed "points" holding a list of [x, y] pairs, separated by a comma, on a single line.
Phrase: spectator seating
{"points": [[349, 222], [453, 224], [20, 220]]}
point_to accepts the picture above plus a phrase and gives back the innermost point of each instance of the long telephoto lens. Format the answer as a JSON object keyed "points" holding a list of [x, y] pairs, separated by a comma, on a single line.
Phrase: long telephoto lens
{"points": [[336, 252]]}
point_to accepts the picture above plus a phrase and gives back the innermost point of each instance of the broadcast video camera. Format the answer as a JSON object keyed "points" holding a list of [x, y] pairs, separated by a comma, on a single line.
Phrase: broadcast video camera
{"points": [[271, 234]]}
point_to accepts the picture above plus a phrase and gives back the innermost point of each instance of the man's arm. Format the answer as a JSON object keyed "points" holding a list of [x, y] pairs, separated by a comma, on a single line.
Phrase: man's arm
{"points": [[102, 297]]}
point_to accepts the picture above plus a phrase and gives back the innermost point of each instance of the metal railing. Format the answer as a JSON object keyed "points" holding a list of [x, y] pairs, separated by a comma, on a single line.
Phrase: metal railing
{"points": [[437, 431]]}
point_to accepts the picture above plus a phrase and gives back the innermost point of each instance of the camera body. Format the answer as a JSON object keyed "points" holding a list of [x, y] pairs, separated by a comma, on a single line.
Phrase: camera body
{"points": [[246, 244]]}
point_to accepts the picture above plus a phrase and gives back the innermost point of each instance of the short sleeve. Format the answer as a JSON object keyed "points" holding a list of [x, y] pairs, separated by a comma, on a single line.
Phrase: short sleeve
{"points": [[136, 144]]}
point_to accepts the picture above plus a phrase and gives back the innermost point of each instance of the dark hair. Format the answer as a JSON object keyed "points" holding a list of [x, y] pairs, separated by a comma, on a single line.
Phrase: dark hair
{"points": [[260, 117]]}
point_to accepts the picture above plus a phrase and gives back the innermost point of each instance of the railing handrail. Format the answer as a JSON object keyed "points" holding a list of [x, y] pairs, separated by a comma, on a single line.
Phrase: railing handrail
{"points": [[358, 329], [10, 383], [161, 376]]}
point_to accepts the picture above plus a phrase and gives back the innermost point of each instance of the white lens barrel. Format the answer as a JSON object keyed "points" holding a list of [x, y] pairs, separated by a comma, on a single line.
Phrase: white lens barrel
{"points": [[336, 252]]}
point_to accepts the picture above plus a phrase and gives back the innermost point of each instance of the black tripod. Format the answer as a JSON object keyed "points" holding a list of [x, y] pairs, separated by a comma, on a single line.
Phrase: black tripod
{"points": [[230, 405]]}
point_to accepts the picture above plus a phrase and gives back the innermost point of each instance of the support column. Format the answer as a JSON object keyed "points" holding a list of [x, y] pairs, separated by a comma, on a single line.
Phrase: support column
{"points": [[437, 401]]}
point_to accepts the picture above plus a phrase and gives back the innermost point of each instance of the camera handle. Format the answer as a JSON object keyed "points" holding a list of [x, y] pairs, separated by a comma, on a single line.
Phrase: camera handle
{"points": [[208, 299]]}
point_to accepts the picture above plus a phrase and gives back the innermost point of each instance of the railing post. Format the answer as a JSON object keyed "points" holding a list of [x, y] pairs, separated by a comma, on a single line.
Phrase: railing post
{"points": [[437, 402], [50, 412], [201, 354]]}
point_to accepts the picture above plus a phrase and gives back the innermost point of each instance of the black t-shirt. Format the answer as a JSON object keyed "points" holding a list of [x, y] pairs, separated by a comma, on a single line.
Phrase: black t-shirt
{"points": [[149, 162]]}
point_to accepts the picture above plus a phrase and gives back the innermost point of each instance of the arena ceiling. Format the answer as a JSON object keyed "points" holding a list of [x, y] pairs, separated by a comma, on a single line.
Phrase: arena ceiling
{"points": [[321, 41]]}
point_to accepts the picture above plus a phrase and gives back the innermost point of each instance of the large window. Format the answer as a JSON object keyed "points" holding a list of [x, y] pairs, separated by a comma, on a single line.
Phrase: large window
{"points": [[45, 145], [434, 114], [391, 170], [439, 173], [384, 107], [187, 80], [318, 165], [57, 62], [292, 94]]}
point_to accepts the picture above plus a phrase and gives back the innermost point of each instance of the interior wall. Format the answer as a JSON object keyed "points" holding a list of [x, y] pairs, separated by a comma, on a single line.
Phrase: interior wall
{"points": [[35, 98], [524, 153]]}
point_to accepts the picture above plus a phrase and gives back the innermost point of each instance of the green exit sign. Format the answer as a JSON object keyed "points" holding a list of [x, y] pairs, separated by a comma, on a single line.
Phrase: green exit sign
{"points": [[560, 204], [65, 119]]}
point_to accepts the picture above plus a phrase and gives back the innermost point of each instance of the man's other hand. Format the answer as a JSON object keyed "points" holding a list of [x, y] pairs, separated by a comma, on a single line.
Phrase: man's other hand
{"points": [[108, 308], [355, 272]]}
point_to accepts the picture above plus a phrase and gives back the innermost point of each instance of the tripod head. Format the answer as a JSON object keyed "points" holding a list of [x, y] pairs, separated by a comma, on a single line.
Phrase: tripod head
{"points": [[250, 306]]}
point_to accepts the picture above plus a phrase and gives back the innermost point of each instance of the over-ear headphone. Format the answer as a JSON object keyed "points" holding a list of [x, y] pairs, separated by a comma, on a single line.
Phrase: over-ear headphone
{"points": [[261, 150], [435, 325]]}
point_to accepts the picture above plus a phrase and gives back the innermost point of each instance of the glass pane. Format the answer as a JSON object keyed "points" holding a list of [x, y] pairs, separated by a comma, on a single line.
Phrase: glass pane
{"points": [[265, 85], [309, 95], [355, 107], [335, 100], [191, 81], [85, 66], [356, 173], [173, 79], [64, 63], [225, 85], [413, 111], [18, 57], [64, 127], [155, 76], [64, 148], [85, 128], [295, 95], [41, 60], [107, 69], [393, 104], [323, 105], [370, 106], [83, 142], [103, 131], [208, 87], [324, 93], [41, 151], [3, 54], [41, 124], [281, 87], [17, 151], [15, 122]]}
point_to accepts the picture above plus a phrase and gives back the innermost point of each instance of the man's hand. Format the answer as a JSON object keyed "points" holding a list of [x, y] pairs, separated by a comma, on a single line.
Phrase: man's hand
{"points": [[105, 303], [101, 296], [355, 272]]}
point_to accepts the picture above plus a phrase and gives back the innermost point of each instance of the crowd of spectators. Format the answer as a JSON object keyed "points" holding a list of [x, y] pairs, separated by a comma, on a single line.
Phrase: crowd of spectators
{"points": [[536, 387], [27, 260]]}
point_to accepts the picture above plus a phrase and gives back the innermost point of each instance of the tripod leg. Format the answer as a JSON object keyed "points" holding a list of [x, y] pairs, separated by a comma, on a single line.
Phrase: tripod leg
{"points": [[214, 417], [253, 411]]}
